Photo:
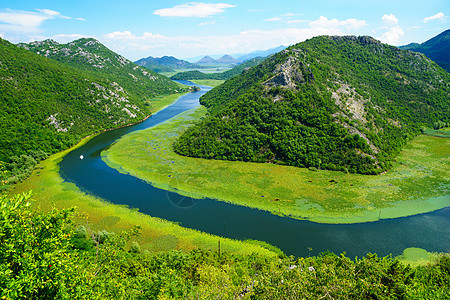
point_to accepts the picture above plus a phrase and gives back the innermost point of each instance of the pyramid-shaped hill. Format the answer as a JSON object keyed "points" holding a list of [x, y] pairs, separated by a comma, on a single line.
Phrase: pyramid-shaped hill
{"points": [[227, 59], [206, 60], [338, 103]]}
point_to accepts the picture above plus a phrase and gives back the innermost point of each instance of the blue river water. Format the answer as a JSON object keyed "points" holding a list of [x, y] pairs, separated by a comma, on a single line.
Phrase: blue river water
{"points": [[430, 231]]}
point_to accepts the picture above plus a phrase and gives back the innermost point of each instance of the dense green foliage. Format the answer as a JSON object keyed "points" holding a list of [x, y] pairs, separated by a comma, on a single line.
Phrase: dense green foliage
{"points": [[46, 256], [436, 48], [338, 103], [198, 75], [90, 55], [46, 105]]}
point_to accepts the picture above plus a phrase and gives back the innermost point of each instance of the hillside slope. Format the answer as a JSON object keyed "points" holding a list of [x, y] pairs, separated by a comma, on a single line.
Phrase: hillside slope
{"points": [[164, 64], [340, 103], [46, 106], [436, 48], [90, 55]]}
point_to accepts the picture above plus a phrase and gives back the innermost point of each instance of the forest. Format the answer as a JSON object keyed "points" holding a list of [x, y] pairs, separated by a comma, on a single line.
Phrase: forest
{"points": [[45, 255], [338, 103], [48, 105]]}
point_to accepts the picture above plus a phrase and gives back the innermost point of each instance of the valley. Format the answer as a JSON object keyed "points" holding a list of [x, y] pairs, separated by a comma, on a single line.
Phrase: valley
{"points": [[418, 182], [281, 174]]}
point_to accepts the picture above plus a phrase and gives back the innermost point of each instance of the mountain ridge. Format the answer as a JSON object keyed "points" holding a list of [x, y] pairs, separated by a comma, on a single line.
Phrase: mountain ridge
{"points": [[339, 103], [437, 48], [48, 104]]}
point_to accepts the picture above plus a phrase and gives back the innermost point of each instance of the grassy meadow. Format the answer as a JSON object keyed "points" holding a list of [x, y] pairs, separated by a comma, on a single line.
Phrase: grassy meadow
{"points": [[418, 182], [51, 191], [209, 82]]}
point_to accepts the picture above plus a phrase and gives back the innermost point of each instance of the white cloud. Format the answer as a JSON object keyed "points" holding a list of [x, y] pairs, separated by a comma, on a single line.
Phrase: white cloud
{"points": [[80, 19], [334, 24], [137, 46], [127, 35], [207, 23], [389, 20], [291, 15], [66, 38], [193, 9], [286, 18], [274, 19], [394, 32], [49, 12], [297, 21], [26, 22], [438, 16], [392, 36]]}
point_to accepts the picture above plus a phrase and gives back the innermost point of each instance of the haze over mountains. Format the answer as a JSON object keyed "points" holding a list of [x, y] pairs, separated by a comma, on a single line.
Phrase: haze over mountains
{"points": [[171, 64]]}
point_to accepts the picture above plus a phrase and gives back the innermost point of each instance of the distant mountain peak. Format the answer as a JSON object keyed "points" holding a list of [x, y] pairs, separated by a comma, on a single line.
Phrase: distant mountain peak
{"points": [[206, 59], [333, 102], [227, 59]]}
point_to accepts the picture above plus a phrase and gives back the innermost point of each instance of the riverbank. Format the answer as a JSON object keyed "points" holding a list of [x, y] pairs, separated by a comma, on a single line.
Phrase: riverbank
{"points": [[418, 182], [51, 191]]}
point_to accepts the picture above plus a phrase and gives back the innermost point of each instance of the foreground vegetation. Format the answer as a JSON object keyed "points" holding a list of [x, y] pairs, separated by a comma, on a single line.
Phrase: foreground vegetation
{"points": [[46, 256], [51, 191], [417, 183], [339, 103]]}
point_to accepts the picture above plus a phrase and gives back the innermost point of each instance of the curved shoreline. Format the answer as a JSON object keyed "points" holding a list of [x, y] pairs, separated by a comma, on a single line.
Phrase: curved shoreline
{"points": [[371, 199], [51, 191]]}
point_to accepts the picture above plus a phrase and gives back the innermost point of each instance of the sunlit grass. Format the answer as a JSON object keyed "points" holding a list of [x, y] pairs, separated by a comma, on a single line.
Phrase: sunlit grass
{"points": [[418, 182], [51, 191], [418, 257]]}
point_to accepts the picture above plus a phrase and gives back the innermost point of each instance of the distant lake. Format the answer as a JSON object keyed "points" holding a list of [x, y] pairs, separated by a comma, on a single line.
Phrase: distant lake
{"points": [[430, 231]]}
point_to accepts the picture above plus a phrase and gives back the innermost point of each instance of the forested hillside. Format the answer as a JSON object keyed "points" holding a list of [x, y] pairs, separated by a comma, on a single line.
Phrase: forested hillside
{"points": [[436, 48], [46, 256], [339, 103], [90, 55], [198, 75], [164, 64], [46, 106]]}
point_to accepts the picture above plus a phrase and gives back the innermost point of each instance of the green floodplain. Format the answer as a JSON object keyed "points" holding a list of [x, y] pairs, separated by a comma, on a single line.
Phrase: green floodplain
{"points": [[156, 235], [418, 182], [50, 191]]}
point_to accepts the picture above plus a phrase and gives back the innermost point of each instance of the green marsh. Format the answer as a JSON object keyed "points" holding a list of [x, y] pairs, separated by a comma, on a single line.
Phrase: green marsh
{"points": [[417, 183]]}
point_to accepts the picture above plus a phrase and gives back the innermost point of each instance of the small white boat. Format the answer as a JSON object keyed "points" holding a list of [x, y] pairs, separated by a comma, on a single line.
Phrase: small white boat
{"points": [[81, 156]]}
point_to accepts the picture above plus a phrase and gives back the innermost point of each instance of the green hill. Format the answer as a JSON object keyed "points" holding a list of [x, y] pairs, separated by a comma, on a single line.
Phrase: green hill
{"points": [[339, 103], [46, 105], [90, 55], [198, 75], [164, 64], [436, 48]]}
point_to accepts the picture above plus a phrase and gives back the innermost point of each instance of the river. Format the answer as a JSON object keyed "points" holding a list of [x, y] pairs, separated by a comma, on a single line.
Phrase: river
{"points": [[430, 231]]}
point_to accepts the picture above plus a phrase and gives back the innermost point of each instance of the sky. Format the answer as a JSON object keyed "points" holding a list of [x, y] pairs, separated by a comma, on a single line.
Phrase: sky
{"points": [[137, 29]]}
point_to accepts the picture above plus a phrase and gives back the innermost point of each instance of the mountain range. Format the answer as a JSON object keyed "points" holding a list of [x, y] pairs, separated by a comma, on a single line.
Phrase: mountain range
{"points": [[51, 95], [196, 74], [164, 64], [226, 59], [436, 48], [338, 103]]}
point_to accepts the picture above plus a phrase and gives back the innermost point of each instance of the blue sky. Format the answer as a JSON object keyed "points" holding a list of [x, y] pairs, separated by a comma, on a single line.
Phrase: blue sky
{"points": [[137, 29]]}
